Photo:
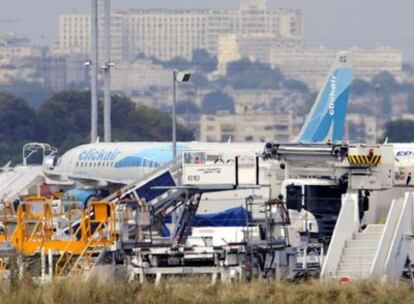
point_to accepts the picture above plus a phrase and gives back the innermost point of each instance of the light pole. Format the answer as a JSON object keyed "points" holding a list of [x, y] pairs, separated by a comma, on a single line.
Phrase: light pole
{"points": [[93, 64], [106, 67], [178, 77], [174, 115]]}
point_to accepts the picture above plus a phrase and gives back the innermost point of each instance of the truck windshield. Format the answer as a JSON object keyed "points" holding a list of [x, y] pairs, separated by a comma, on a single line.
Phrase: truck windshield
{"points": [[324, 202], [329, 194], [294, 197]]}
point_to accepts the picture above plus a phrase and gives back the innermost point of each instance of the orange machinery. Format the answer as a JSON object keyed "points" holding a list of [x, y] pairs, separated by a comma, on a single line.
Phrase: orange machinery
{"points": [[33, 228]]}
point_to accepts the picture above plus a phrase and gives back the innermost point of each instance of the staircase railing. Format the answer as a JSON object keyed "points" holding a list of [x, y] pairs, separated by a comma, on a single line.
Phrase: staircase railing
{"points": [[346, 225], [66, 256], [378, 264], [86, 252], [394, 247], [101, 235]]}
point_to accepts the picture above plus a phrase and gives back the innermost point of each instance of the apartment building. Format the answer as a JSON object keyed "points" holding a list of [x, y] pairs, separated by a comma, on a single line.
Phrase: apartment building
{"points": [[312, 65], [246, 127], [166, 34]]}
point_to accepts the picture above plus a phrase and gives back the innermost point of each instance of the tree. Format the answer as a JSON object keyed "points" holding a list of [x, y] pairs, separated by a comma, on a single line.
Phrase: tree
{"points": [[361, 87], [386, 80], [408, 68], [66, 116], [385, 85], [203, 61], [186, 106], [142, 123], [159, 126], [19, 124], [399, 131], [309, 101], [217, 101], [18, 121], [410, 102], [296, 85], [141, 56], [177, 63], [245, 74], [64, 122], [199, 80]]}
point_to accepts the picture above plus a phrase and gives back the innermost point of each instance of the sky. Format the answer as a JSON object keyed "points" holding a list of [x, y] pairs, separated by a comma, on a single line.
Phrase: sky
{"points": [[345, 23]]}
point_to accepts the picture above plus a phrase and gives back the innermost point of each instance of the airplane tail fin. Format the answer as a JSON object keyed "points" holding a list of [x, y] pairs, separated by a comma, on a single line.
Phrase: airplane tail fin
{"points": [[326, 120]]}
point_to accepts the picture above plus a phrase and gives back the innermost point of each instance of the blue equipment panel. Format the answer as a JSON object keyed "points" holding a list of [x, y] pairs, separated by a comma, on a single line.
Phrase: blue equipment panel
{"points": [[149, 194]]}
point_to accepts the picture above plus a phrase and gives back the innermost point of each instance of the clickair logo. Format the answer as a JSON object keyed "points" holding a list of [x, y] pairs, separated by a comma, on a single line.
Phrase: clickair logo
{"points": [[98, 155], [404, 153], [332, 95]]}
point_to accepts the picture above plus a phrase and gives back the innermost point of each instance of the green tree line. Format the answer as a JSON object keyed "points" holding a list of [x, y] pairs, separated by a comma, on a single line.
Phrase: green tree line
{"points": [[399, 131], [64, 122]]}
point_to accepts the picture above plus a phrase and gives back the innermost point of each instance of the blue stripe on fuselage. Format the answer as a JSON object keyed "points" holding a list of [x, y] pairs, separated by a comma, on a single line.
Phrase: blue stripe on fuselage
{"points": [[149, 158]]}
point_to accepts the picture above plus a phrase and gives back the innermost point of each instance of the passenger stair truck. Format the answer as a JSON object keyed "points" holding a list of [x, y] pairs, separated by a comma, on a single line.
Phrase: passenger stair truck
{"points": [[19, 180], [205, 171], [162, 193], [156, 190], [317, 175], [326, 190], [379, 251]]}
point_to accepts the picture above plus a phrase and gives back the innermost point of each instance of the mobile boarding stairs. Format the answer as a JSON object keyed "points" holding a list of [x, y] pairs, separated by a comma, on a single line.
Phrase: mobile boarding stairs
{"points": [[379, 251], [176, 189]]}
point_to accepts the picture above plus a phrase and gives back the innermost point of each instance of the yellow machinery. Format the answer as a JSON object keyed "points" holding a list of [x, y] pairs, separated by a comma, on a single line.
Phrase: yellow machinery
{"points": [[34, 225], [9, 222], [33, 229], [95, 232]]}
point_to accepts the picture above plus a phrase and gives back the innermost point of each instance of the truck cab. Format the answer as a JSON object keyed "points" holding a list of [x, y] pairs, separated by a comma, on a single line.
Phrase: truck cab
{"points": [[313, 205]]}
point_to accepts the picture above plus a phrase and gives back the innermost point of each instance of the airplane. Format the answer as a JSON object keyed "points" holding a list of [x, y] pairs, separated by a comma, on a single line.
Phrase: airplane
{"points": [[100, 164]]}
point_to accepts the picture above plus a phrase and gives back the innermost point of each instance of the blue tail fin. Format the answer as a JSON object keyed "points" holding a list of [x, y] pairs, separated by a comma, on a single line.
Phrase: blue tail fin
{"points": [[326, 120]]}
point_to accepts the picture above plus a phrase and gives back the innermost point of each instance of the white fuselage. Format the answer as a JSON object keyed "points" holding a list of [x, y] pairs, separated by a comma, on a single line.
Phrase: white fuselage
{"points": [[124, 162]]}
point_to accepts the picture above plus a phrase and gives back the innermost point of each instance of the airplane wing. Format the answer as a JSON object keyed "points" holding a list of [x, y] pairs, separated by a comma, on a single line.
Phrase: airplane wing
{"points": [[61, 178], [95, 182]]}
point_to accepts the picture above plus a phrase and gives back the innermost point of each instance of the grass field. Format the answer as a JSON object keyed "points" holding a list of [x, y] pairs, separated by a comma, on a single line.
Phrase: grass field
{"points": [[76, 291]]}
